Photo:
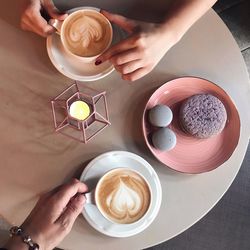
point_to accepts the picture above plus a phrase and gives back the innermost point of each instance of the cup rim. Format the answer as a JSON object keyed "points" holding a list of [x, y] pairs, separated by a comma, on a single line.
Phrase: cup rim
{"points": [[99, 183], [86, 10]]}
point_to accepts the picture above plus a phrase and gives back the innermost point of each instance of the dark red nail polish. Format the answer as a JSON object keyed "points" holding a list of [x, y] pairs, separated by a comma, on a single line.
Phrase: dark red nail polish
{"points": [[98, 62]]}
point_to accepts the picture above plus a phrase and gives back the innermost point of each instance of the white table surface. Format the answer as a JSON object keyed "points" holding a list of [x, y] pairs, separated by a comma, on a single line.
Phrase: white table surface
{"points": [[34, 158]]}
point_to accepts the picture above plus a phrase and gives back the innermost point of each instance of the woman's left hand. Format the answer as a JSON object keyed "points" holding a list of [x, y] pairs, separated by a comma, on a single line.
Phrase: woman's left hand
{"points": [[137, 55]]}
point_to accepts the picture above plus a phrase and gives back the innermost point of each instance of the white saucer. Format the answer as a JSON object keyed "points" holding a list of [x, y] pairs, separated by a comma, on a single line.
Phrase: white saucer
{"points": [[120, 159], [76, 69]]}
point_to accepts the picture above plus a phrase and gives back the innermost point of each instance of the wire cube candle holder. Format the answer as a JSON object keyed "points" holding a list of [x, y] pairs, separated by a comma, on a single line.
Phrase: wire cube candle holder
{"points": [[80, 130]]}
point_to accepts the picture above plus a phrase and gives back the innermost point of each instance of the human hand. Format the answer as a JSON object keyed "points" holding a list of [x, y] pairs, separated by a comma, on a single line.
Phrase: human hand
{"points": [[53, 216], [137, 55], [32, 20]]}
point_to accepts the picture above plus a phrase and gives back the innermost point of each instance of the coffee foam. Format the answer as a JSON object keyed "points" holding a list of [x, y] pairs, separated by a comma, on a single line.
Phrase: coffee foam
{"points": [[123, 196], [87, 33]]}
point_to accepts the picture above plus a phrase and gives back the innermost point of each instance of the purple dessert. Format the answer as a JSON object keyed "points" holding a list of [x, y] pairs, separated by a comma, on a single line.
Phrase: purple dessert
{"points": [[203, 116]]}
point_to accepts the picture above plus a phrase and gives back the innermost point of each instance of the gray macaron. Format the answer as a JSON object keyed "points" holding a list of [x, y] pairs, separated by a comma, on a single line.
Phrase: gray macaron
{"points": [[164, 139], [160, 115]]}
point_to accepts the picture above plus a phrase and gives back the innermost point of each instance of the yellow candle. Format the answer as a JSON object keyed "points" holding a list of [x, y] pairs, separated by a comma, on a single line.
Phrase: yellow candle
{"points": [[79, 110]]}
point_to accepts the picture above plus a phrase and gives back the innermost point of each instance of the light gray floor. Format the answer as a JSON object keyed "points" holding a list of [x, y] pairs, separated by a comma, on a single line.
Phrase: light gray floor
{"points": [[227, 225]]}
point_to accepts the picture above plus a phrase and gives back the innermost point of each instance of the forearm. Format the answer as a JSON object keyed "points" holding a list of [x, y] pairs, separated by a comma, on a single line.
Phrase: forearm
{"points": [[182, 14]]}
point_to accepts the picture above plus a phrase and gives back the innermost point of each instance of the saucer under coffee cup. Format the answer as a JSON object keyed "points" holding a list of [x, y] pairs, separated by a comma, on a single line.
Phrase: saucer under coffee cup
{"points": [[75, 68], [105, 163]]}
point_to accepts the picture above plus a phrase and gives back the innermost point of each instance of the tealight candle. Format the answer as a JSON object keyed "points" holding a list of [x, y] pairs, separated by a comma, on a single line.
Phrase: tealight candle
{"points": [[79, 110]]}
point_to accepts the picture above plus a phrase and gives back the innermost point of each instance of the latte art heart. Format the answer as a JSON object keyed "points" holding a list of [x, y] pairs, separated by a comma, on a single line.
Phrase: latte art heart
{"points": [[124, 196], [124, 201], [87, 33]]}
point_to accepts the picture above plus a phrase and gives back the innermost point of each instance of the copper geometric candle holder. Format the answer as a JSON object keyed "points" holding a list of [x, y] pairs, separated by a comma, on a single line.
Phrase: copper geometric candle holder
{"points": [[85, 130]]}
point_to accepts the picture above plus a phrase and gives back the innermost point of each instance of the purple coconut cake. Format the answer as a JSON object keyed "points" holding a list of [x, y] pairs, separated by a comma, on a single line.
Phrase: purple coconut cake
{"points": [[203, 116]]}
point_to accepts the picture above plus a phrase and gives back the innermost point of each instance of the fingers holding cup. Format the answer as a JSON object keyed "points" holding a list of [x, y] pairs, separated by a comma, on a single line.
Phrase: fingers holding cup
{"points": [[32, 20]]}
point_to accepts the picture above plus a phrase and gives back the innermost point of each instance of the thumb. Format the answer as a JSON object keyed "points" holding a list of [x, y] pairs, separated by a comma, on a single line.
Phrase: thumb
{"points": [[73, 209], [123, 22], [53, 11]]}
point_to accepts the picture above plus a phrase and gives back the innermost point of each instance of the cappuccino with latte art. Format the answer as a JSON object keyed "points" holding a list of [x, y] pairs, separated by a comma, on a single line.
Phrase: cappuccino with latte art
{"points": [[123, 196], [87, 33]]}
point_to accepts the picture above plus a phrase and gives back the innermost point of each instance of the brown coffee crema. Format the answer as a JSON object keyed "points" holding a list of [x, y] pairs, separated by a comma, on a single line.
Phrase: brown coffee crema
{"points": [[123, 196], [87, 33]]}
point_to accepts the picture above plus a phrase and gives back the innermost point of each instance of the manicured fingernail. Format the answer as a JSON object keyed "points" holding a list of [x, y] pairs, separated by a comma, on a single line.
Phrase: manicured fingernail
{"points": [[98, 62]]}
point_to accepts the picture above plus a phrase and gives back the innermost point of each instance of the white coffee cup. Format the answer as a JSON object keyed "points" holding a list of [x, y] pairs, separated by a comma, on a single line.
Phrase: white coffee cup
{"points": [[61, 27], [92, 197]]}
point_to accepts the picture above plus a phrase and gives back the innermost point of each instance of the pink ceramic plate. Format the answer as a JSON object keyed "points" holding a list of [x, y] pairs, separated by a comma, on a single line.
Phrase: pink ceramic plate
{"points": [[192, 155]]}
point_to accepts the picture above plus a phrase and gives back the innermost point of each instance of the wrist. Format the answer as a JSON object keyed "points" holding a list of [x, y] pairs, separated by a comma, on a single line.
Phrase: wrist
{"points": [[16, 243], [20, 240], [168, 35], [34, 232]]}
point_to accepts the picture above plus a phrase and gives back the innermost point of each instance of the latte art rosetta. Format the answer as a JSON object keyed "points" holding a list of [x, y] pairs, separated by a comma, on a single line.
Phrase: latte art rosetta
{"points": [[87, 34], [125, 197], [84, 31]]}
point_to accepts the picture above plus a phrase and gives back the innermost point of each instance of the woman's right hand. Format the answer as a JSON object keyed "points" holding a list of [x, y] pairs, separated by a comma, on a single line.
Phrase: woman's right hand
{"points": [[53, 216], [32, 19], [137, 55]]}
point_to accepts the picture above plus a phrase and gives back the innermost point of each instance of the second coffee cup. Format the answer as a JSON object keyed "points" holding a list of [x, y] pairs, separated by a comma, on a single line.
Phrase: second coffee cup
{"points": [[122, 196], [85, 34]]}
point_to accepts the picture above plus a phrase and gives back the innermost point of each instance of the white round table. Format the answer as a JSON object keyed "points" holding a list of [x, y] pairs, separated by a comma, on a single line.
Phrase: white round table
{"points": [[35, 159]]}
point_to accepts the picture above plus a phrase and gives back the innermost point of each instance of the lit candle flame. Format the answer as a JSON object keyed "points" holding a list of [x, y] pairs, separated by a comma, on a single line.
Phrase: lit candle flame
{"points": [[79, 110]]}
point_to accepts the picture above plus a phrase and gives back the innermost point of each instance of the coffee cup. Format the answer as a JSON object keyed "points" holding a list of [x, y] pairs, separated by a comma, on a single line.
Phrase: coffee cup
{"points": [[122, 196], [85, 34]]}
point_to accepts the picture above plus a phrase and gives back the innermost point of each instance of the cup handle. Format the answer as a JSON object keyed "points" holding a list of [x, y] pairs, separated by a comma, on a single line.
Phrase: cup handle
{"points": [[90, 197], [56, 24]]}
